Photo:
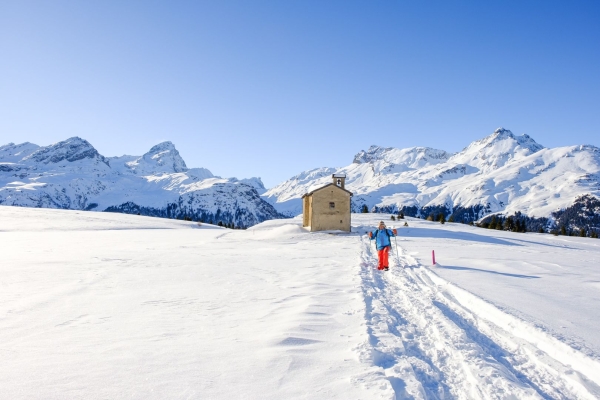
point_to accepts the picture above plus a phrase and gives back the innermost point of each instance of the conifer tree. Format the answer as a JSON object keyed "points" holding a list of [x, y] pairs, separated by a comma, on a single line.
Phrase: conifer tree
{"points": [[541, 230], [393, 218], [364, 209], [582, 232], [442, 218], [451, 218], [493, 222], [563, 230]]}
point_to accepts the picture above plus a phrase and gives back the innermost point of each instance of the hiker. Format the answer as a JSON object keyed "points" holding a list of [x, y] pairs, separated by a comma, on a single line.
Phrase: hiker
{"points": [[382, 236]]}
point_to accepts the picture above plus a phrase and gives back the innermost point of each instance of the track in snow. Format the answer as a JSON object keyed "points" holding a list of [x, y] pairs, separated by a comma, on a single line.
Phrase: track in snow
{"points": [[434, 340]]}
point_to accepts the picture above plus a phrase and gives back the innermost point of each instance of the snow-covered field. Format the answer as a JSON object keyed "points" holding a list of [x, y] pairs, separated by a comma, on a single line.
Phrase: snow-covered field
{"points": [[99, 305]]}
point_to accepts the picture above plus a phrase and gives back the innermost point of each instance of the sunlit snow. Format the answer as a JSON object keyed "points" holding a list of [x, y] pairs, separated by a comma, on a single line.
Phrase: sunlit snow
{"points": [[101, 305]]}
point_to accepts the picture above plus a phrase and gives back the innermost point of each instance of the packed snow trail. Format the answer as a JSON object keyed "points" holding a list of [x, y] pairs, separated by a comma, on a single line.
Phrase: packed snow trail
{"points": [[437, 341]]}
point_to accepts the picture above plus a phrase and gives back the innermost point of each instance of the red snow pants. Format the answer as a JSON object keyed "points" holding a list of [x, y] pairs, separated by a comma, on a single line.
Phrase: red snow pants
{"points": [[383, 257]]}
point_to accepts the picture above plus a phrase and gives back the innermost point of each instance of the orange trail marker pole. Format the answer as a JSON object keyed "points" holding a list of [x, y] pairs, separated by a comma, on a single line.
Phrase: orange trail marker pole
{"points": [[433, 256]]}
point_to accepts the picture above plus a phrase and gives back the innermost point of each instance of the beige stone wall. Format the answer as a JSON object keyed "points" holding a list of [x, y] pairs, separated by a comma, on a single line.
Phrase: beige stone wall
{"points": [[323, 217], [306, 211]]}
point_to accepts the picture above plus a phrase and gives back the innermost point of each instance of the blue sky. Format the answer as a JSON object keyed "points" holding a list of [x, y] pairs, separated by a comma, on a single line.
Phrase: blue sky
{"points": [[272, 88]]}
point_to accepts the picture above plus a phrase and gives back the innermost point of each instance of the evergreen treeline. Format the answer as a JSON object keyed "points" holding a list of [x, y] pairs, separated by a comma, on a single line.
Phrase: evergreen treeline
{"points": [[580, 219], [459, 214], [240, 219]]}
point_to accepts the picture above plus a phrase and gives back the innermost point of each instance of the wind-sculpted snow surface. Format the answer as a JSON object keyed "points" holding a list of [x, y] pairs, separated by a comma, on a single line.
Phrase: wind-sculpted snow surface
{"points": [[501, 173], [72, 175], [103, 305]]}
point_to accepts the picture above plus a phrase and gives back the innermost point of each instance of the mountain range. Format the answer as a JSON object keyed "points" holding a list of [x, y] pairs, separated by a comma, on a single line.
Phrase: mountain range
{"points": [[502, 174], [72, 175]]}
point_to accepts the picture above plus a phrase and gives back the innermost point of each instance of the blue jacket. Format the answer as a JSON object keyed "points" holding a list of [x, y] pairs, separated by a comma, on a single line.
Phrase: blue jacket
{"points": [[383, 237]]}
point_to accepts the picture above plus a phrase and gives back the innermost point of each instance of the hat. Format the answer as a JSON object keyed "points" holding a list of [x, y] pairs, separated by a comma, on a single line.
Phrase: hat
{"points": [[381, 223]]}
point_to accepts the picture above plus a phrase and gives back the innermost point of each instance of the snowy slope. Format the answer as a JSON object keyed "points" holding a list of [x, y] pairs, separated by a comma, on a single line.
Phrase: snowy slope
{"points": [[123, 306], [101, 305], [501, 173], [501, 315], [72, 175]]}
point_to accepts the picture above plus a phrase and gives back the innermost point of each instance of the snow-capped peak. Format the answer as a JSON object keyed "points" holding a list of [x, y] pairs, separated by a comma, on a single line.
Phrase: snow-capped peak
{"points": [[391, 159], [256, 183], [163, 157], [502, 172], [500, 135], [497, 149], [501, 131], [72, 175], [399, 156], [374, 153], [13, 153], [70, 150], [162, 147]]}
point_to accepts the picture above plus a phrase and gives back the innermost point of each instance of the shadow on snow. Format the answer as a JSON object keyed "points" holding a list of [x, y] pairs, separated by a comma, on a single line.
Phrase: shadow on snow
{"points": [[500, 355], [444, 234], [487, 271]]}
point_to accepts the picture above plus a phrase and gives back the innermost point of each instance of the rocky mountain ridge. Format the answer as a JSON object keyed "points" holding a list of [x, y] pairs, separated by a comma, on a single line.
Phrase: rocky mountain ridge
{"points": [[71, 174], [501, 174]]}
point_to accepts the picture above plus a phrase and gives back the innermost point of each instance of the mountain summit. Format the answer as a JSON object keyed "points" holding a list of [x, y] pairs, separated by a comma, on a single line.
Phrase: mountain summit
{"points": [[500, 174], [71, 174], [162, 158], [414, 157], [70, 150], [495, 150]]}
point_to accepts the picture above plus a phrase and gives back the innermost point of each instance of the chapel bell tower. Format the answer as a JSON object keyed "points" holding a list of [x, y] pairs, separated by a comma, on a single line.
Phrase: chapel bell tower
{"points": [[339, 180]]}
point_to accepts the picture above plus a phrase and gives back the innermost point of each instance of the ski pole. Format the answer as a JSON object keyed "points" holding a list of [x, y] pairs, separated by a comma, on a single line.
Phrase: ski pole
{"points": [[397, 254]]}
